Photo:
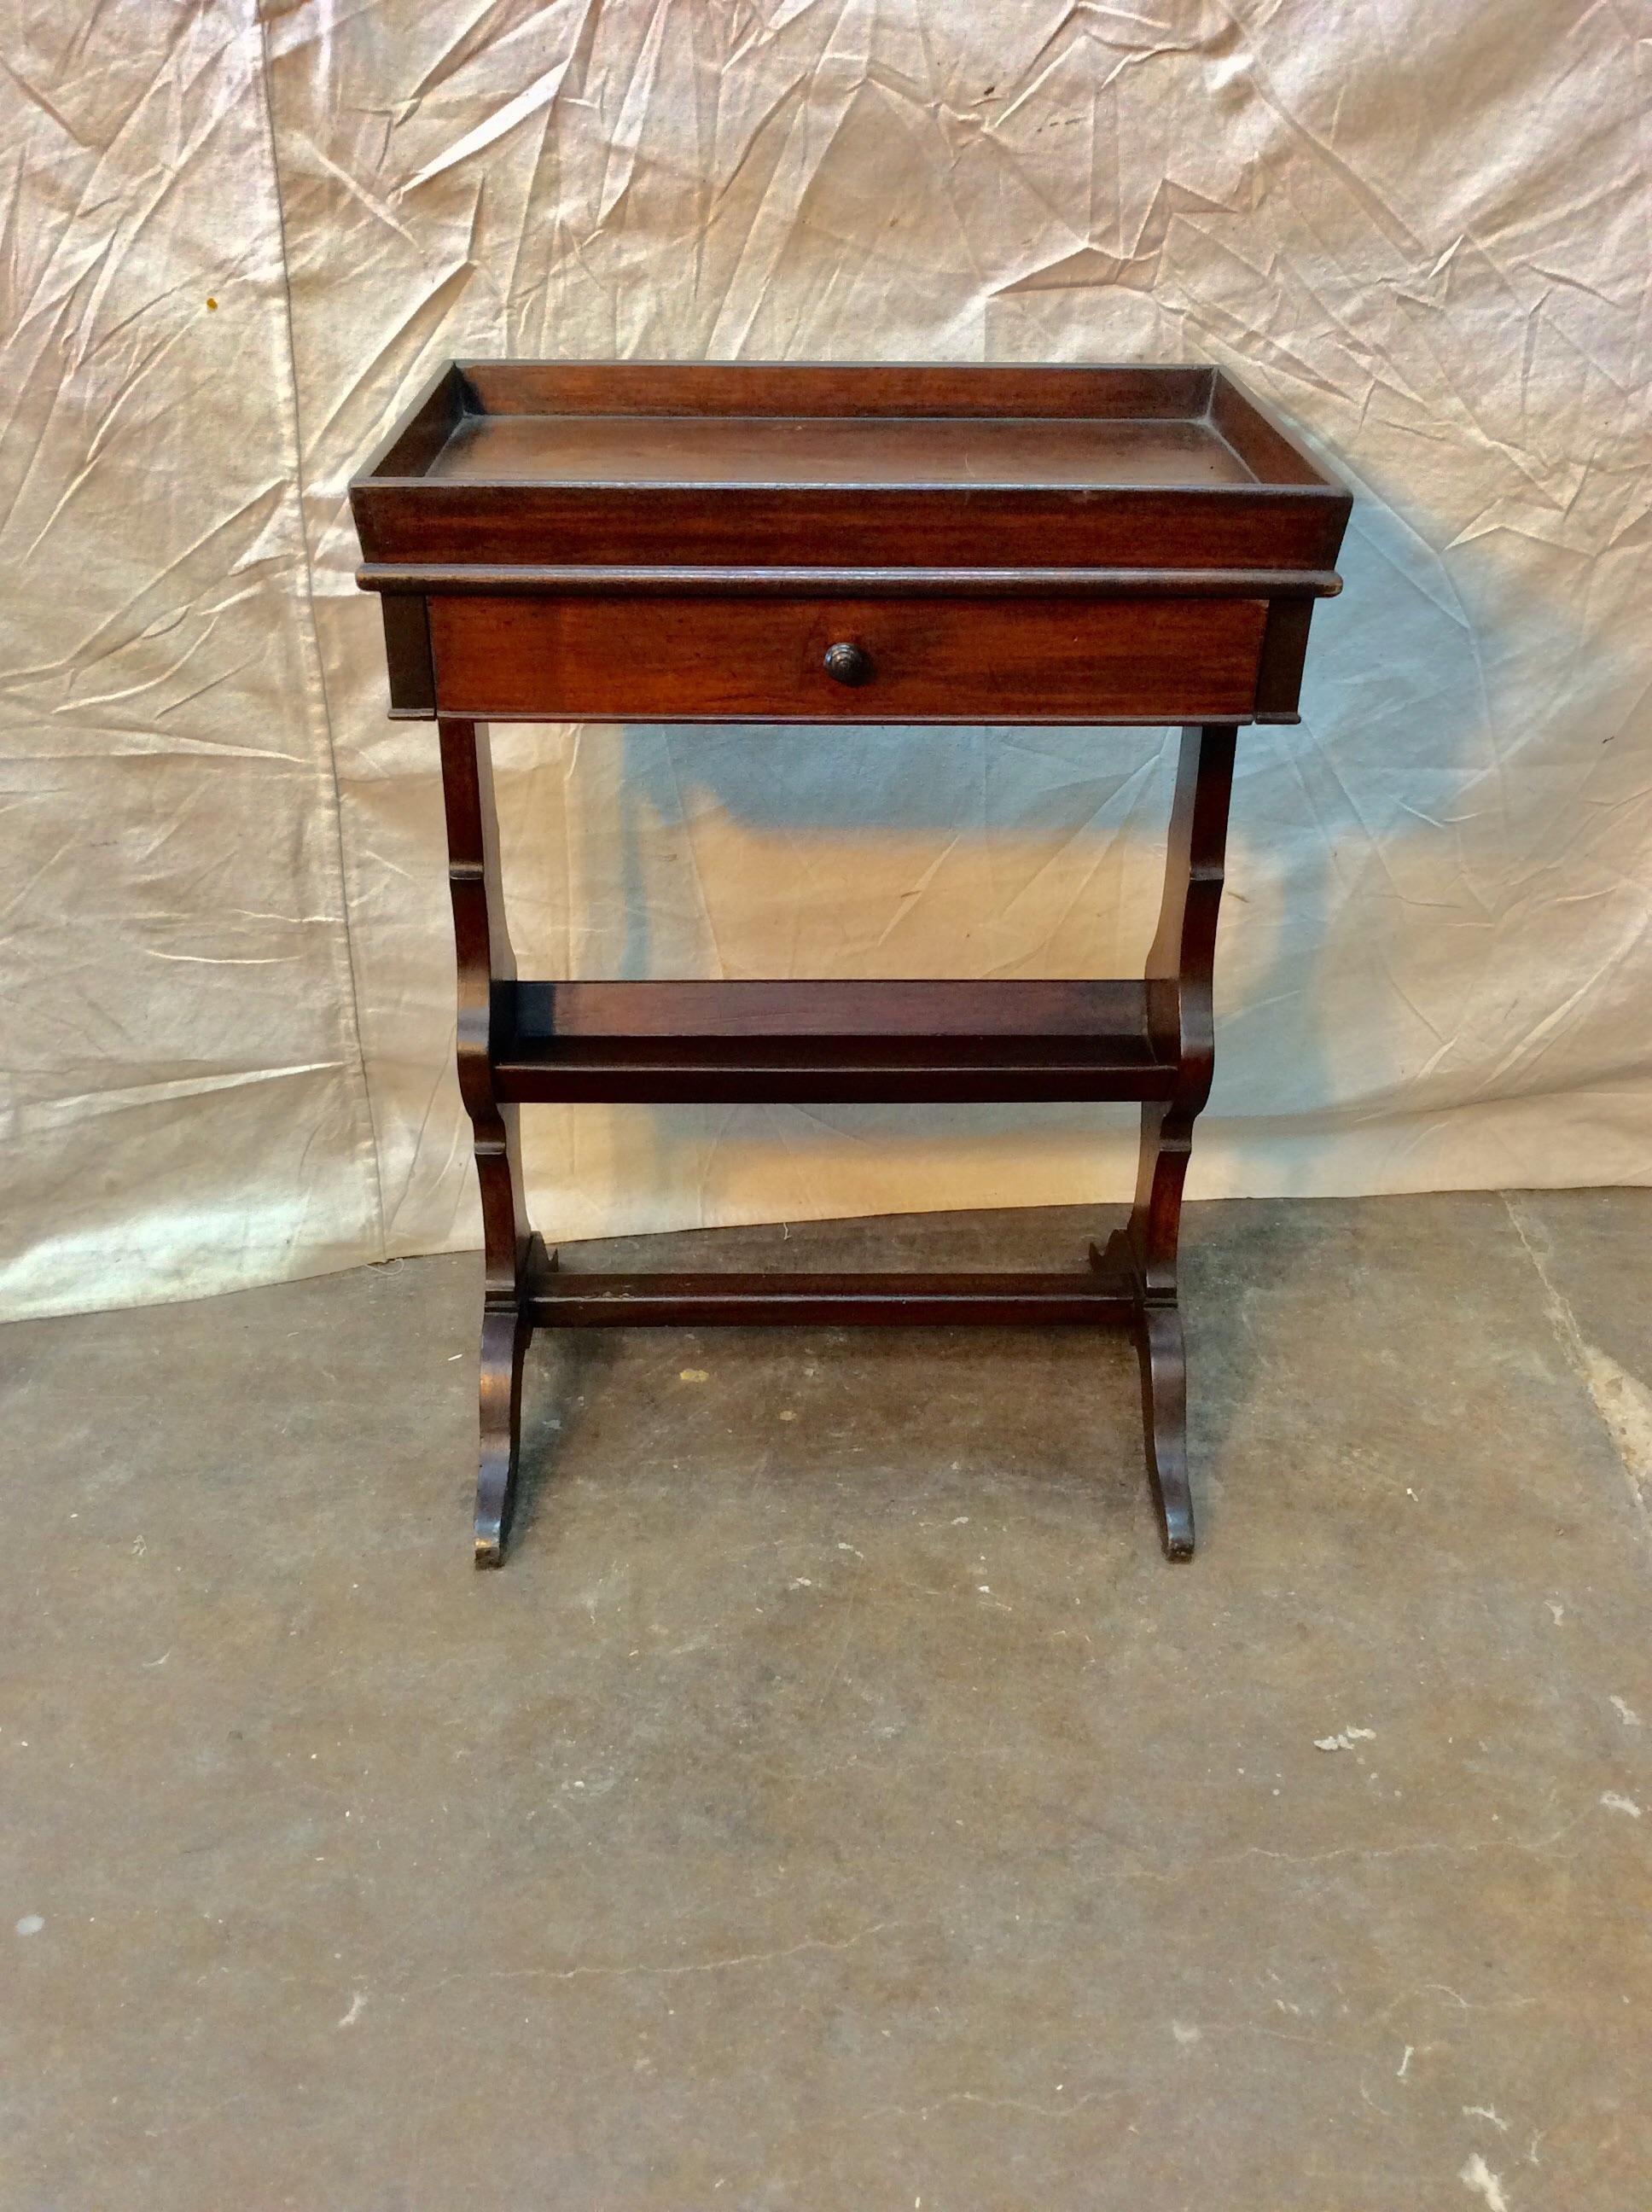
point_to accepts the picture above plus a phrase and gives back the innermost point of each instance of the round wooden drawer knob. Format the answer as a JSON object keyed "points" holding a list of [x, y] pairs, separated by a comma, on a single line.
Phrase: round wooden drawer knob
{"points": [[848, 664]]}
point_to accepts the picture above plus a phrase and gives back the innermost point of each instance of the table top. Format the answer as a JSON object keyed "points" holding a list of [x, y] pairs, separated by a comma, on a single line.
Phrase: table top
{"points": [[814, 451], [531, 466]]}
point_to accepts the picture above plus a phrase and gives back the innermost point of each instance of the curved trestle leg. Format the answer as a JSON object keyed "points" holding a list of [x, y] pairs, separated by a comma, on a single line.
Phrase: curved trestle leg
{"points": [[1160, 1347], [1179, 978], [505, 1332], [482, 945], [1162, 1351]]}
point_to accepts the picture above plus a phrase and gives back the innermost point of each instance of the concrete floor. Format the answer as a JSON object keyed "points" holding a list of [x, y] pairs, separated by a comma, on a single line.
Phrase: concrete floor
{"points": [[837, 1803]]}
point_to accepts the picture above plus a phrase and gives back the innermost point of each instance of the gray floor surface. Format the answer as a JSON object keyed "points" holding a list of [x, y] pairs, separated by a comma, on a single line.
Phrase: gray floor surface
{"points": [[837, 1803]]}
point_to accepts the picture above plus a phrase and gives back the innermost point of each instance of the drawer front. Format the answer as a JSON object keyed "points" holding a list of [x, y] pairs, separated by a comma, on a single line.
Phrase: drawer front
{"points": [[677, 659]]}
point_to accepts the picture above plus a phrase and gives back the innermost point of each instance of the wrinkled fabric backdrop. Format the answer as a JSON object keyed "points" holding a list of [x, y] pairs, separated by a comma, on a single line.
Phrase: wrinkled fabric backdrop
{"points": [[236, 241]]}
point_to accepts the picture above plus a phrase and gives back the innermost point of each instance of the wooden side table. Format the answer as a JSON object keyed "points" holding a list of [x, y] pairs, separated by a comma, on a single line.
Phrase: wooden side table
{"points": [[653, 541]]}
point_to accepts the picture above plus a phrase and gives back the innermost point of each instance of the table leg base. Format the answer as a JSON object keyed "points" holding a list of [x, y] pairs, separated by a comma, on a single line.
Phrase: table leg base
{"points": [[1110, 1293], [505, 1333], [1162, 1349]]}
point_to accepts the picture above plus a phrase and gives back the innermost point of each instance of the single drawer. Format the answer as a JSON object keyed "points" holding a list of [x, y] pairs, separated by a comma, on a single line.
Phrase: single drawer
{"points": [[917, 659]]}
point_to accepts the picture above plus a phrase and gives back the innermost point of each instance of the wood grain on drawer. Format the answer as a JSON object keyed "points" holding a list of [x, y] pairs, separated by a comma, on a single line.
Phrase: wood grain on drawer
{"points": [[764, 660]]}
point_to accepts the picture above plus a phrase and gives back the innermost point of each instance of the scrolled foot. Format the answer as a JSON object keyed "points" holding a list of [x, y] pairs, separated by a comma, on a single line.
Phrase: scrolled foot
{"points": [[1163, 1354], [504, 1340]]}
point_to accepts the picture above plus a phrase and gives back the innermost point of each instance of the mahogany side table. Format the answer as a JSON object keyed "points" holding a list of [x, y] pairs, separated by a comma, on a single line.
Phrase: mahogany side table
{"points": [[673, 542]]}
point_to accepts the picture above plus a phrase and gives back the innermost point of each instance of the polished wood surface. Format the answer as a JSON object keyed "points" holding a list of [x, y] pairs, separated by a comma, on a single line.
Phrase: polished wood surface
{"points": [[957, 1011], [929, 661], [1191, 527], [732, 579], [831, 1041], [485, 963], [759, 465], [925, 389], [822, 545], [1102, 1298], [834, 449], [1180, 967]]}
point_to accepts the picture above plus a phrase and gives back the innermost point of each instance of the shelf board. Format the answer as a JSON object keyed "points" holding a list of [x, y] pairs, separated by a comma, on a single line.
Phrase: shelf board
{"points": [[826, 1042]]}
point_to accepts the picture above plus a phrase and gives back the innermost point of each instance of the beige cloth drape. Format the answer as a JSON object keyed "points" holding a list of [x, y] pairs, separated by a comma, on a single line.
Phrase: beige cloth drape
{"points": [[236, 242]]}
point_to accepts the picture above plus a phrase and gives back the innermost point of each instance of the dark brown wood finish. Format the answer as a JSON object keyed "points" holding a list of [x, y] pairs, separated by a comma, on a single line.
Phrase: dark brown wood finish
{"points": [[1045, 392], [1104, 1296], [957, 467], [737, 580], [1285, 649], [1197, 526], [803, 1041], [808, 544], [487, 968], [1181, 967], [924, 660], [407, 654], [860, 452]]}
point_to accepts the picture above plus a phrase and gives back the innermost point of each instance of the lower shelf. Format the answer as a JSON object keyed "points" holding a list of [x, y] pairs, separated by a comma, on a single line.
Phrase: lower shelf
{"points": [[816, 1041]]}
